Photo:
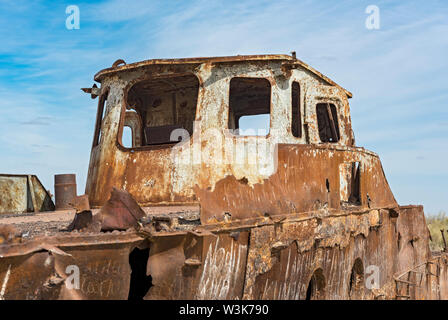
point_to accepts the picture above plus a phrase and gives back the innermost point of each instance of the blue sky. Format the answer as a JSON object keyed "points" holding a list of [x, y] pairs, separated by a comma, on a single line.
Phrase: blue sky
{"points": [[398, 74]]}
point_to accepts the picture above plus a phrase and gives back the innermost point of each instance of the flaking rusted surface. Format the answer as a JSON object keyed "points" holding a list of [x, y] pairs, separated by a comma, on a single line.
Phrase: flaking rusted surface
{"points": [[298, 185], [294, 218], [153, 175], [21, 193], [38, 269]]}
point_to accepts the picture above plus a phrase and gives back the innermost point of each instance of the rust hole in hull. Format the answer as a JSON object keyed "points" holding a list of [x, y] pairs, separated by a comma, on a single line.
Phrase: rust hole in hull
{"points": [[140, 282]]}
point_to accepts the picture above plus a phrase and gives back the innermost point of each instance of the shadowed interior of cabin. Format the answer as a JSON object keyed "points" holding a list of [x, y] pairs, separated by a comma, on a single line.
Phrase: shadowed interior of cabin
{"points": [[162, 105]]}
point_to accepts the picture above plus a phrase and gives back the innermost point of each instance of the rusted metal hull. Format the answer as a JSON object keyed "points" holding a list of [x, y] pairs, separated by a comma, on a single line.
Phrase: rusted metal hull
{"points": [[39, 270], [263, 260], [281, 215], [280, 258], [294, 236]]}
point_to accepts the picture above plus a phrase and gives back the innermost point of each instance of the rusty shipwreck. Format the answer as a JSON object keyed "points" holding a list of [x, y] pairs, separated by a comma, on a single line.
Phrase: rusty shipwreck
{"points": [[297, 212]]}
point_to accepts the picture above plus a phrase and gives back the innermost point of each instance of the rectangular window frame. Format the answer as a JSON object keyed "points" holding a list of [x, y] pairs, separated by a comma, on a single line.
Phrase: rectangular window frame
{"points": [[153, 147], [330, 116], [298, 111], [238, 118]]}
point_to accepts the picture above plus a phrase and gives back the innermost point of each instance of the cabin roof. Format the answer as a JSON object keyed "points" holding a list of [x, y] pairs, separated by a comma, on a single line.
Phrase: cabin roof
{"points": [[265, 57]]}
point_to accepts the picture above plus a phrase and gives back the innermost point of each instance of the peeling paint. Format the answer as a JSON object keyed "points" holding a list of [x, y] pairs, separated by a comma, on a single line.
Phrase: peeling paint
{"points": [[225, 216]]}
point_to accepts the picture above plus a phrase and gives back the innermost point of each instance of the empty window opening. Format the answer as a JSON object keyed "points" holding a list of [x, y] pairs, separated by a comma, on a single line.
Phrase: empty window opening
{"points": [[126, 140], [327, 122], [354, 197], [356, 284], [249, 106], [296, 125], [257, 125], [166, 108], [316, 286], [140, 282], [327, 184], [99, 118], [350, 183], [132, 130]]}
